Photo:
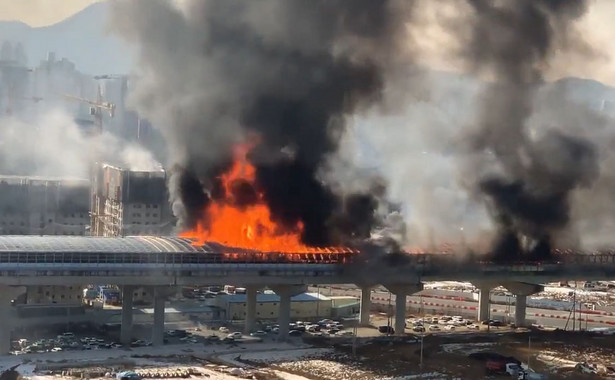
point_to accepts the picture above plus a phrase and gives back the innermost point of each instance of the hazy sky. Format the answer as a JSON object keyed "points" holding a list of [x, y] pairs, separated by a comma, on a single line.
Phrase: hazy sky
{"points": [[596, 27], [41, 12]]}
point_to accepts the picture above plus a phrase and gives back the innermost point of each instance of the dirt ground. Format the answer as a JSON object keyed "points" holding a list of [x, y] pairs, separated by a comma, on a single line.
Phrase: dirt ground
{"points": [[552, 353]]}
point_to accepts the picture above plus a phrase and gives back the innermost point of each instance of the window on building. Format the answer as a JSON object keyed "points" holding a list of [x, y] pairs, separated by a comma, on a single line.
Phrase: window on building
{"points": [[146, 206], [144, 293], [72, 215], [155, 206], [155, 215], [50, 220], [260, 304], [78, 296], [62, 296], [271, 313]]}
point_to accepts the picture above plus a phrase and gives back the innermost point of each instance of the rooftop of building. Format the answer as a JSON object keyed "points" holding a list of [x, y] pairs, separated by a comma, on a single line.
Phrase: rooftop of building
{"points": [[154, 167], [265, 298], [42, 180], [133, 244]]}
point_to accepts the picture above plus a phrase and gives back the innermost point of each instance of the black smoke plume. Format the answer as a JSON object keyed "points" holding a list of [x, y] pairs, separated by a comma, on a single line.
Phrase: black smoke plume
{"points": [[289, 71], [526, 178]]}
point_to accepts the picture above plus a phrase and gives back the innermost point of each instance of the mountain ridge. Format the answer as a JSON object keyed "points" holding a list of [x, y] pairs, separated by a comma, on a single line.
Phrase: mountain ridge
{"points": [[82, 38]]}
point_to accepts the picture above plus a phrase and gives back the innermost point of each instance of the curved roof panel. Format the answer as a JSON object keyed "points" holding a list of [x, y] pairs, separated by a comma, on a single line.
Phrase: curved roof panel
{"points": [[148, 244]]}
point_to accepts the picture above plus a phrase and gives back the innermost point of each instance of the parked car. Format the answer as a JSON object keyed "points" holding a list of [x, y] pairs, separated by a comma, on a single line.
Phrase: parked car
{"points": [[295, 333], [224, 330], [449, 327], [434, 328], [258, 333], [385, 329], [235, 335], [418, 329]]}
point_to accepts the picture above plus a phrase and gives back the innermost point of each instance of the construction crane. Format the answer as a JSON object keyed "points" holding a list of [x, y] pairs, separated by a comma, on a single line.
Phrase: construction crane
{"points": [[97, 108]]}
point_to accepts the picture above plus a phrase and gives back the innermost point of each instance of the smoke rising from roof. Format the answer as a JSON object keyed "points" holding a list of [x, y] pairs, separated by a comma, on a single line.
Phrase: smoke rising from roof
{"points": [[289, 71]]}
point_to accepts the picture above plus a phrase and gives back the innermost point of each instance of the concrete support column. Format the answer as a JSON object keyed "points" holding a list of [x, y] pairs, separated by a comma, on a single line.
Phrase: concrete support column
{"points": [[400, 314], [366, 304], [285, 292], [521, 290], [520, 306], [158, 328], [126, 328], [401, 292], [250, 321], [483, 303], [7, 294], [284, 314]]}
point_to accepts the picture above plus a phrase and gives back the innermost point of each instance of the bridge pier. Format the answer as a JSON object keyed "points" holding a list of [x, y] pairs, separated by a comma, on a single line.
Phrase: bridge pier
{"points": [[7, 294], [484, 303], [250, 321], [160, 297], [366, 305], [521, 290], [401, 291], [285, 293], [127, 305]]}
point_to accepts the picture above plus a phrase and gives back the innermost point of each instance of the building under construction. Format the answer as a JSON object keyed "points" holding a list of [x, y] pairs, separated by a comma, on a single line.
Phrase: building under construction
{"points": [[129, 202], [43, 206]]}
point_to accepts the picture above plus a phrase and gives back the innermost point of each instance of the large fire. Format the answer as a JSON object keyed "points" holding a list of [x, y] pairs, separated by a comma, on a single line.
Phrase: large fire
{"points": [[230, 223]]}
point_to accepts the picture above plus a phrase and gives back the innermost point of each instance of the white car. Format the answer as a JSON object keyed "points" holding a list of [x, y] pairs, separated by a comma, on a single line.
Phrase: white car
{"points": [[235, 335], [223, 330], [449, 328], [434, 328], [345, 333], [474, 327]]}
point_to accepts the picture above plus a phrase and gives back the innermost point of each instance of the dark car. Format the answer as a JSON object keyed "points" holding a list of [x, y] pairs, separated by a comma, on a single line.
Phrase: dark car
{"points": [[295, 333], [386, 329]]}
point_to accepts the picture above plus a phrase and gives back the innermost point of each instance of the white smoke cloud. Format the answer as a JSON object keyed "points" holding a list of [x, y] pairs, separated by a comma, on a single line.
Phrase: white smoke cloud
{"points": [[54, 145]]}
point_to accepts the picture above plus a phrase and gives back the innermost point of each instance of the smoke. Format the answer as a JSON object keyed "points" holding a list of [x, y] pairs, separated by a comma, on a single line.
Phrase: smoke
{"points": [[54, 145], [290, 71], [526, 178]]}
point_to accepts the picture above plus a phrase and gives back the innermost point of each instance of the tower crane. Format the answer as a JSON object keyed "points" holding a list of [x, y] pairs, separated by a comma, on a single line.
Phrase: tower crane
{"points": [[97, 107]]}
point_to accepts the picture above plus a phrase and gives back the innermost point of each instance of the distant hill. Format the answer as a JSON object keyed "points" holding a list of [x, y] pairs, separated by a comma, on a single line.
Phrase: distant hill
{"points": [[83, 39]]}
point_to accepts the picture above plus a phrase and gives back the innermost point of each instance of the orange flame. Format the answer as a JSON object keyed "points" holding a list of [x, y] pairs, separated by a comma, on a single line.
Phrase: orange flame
{"points": [[248, 227]]}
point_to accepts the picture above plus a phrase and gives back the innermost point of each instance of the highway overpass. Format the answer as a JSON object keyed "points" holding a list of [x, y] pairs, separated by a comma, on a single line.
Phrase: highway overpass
{"points": [[167, 262]]}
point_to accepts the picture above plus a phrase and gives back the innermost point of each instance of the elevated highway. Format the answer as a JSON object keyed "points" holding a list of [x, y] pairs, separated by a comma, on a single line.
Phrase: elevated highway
{"points": [[166, 262]]}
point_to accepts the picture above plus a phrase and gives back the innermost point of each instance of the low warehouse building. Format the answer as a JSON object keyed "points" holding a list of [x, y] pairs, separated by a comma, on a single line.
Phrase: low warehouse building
{"points": [[304, 306], [345, 306]]}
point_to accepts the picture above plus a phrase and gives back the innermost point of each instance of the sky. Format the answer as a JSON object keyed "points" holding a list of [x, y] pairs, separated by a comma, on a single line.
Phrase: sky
{"points": [[41, 12], [596, 27]]}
